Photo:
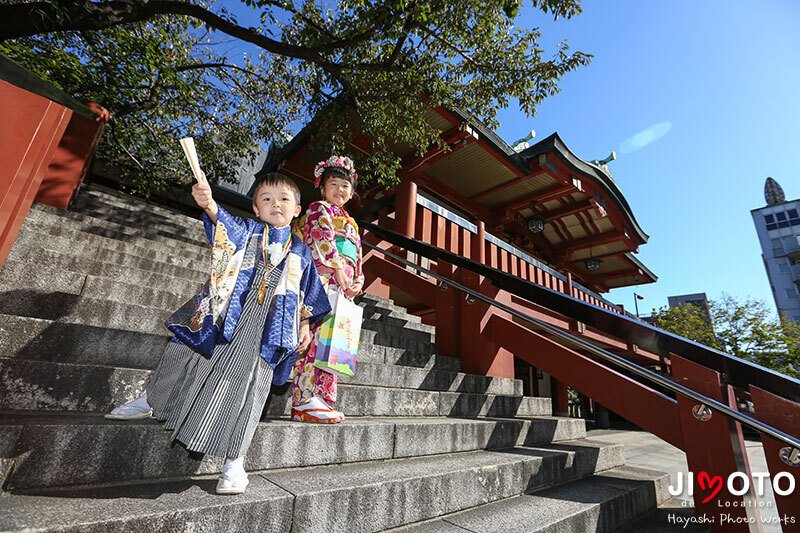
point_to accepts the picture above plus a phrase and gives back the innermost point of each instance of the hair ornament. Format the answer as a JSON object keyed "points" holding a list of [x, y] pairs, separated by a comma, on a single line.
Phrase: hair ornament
{"points": [[335, 161]]}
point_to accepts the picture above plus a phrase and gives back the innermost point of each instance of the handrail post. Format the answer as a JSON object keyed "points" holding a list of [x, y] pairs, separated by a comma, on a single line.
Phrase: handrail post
{"points": [[780, 413], [714, 450], [479, 353]]}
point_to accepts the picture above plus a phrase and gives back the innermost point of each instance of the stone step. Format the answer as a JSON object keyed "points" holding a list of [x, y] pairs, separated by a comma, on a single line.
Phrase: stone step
{"points": [[602, 502], [48, 340], [366, 496], [76, 307], [67, 274], [98, 301], [115, 205], [400, 318], [378, 301], [66, 240], [374, 497], [47, 214], [673, 515], [89, 449], [45, 385], [110, 197], [51, 224], [140, 220], [398, 324], [188, 505], [84, 261], [383, 375]]}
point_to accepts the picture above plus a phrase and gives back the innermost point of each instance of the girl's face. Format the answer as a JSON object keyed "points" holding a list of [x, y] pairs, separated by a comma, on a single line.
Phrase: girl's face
{"points": [[337, 191]]}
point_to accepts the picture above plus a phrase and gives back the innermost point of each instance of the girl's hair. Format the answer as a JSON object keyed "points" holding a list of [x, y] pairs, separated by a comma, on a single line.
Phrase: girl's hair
{"points": [[336, 172], [273, 179]]}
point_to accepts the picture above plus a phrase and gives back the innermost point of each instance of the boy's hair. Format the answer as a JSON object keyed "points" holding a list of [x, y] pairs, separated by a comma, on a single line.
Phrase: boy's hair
{"points": [[273, 179]]}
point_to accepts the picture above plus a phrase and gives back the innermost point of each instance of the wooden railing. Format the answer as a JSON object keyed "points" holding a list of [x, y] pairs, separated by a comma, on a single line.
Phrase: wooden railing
{"points": [[515, 304]]}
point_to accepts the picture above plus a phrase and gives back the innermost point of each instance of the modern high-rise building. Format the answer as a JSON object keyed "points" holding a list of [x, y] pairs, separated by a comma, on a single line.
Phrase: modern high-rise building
{"points": [[699, 300], [778, 228]]}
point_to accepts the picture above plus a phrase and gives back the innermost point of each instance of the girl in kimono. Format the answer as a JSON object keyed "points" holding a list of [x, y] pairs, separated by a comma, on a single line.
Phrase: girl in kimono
{"points": [[332, 236], [248, 323]]}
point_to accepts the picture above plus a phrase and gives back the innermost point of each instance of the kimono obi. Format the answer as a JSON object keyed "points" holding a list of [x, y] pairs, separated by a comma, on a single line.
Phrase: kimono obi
{"points": [[346, 233]]}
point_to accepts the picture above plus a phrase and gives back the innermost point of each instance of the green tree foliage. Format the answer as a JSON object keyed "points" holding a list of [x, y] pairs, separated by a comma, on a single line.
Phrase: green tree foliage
{"points": [[743, 328], [168, 68], [688, 321]]}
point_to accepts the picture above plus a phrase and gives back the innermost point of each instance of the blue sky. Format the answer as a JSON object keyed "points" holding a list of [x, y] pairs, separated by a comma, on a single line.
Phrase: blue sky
{"points": [[719, 80], [725, 78]]}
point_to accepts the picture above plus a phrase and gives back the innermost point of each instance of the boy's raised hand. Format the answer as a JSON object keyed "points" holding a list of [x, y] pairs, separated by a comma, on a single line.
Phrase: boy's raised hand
{"points": [[201, 192]]}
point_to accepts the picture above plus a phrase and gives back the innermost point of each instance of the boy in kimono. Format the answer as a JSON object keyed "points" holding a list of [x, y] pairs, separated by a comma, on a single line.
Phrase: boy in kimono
{"points": [[247, 324]]}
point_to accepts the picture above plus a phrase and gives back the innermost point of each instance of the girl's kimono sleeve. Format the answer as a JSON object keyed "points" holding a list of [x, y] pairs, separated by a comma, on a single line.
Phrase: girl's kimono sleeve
{"points": [[314, 305], [320, 236]]}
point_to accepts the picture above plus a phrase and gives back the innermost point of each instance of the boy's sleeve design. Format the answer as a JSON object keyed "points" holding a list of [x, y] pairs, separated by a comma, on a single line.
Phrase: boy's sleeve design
{"points": [[200, 320], [320, 236], [237, 227]]}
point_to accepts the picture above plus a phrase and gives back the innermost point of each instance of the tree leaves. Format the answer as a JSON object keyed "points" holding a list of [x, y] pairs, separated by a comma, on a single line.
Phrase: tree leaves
{"points": [[373, 66], [742, 328]]}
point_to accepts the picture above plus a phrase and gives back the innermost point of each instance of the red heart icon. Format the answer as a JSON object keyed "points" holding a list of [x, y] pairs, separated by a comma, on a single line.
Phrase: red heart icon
{"points": [[707, 482]]}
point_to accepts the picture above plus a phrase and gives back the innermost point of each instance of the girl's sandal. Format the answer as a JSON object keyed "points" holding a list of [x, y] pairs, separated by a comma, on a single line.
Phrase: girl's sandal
{"points": [[317, 416]]}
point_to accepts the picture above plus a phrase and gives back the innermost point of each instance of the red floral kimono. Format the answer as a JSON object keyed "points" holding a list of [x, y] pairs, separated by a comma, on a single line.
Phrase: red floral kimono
{"points": [[333, 238]]}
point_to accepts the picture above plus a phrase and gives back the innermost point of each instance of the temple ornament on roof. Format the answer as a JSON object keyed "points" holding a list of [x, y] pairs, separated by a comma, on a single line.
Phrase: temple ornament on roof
{"points": [[773, 192], [602, 164]]}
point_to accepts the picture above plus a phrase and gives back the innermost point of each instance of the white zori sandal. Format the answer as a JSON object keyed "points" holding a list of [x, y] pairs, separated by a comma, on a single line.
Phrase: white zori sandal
{"points": [[233, 479], [316, 411], [133, 410]]}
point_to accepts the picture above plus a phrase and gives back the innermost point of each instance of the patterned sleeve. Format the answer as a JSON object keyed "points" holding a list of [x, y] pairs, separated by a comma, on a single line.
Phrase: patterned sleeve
{"points": [[237, 227], [315, 304], [320, 236]]}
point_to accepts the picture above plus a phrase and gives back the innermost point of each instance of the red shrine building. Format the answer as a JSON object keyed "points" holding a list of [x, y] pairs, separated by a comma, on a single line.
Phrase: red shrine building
{"points": [[542, 214]]}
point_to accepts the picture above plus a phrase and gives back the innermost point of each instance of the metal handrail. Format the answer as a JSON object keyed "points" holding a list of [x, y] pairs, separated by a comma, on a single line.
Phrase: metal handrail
{"points": [[635, 369], [734, 371]]}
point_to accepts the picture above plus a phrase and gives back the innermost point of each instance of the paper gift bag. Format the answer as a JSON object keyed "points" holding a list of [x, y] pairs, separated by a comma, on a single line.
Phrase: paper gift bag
{"points": [[337, 345]]}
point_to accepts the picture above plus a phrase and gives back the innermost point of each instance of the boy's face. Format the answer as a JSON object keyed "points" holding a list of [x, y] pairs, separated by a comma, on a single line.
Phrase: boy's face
{"points": [[275, 204]]}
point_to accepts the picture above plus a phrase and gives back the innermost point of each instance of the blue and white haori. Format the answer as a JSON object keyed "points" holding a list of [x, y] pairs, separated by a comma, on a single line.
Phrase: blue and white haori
{"points": [[211, 316]]}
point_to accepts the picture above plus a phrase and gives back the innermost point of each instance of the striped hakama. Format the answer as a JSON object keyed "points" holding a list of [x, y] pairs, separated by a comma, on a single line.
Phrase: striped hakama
{"points": [[213, 405]]}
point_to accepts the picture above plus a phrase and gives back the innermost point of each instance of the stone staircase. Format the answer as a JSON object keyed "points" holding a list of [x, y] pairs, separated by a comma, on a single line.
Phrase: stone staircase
{"points": [[83, 297]]}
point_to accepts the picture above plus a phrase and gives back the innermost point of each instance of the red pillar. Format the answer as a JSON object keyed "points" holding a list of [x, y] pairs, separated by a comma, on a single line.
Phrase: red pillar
{"points": [[714, 446], [72, 158], [373, 284], [32, 128], [479, 353], [449, 301], [406, 209]]}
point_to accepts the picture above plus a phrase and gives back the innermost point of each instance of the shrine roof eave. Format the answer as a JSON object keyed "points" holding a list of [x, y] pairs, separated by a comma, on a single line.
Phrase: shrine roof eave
{"points": [[554, 144], [647, 272]]}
